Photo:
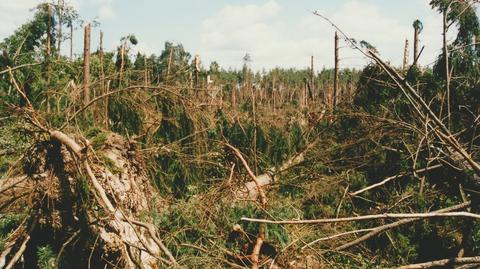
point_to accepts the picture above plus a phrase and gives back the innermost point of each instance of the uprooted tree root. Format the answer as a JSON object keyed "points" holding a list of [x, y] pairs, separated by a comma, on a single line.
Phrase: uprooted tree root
{"points": [[86, 206]]}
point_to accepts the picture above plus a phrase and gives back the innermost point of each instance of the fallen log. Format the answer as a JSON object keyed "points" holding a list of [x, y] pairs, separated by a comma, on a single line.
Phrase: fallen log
{"points": [[249, 190]]}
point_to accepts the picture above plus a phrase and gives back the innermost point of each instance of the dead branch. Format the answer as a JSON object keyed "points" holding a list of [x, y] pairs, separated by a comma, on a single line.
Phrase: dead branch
{"points": [[420, 107], [381, 229], [151, 230], [369, 217], [8, 69], [388, 179], [263, 200], [19, 253], [444, 262], [335, 236], [258, 184]]}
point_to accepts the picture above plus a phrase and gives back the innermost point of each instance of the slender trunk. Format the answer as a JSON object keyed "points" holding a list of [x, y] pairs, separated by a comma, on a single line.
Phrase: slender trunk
{"points": [[415, 45], [335, 79], [71, 41], [48, 56], [107, 90], [305, 94], [86, 65], [405, 55], [102, 82], [60, 24], [447, 67], [196, 74], [122, 61], [145, 74], [254, 146], [169, 62], [312, 78]]}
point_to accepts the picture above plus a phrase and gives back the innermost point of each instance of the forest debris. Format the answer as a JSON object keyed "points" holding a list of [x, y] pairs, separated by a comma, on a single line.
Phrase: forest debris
{"points": [[369, 217], [444, 262], [388, 179]]}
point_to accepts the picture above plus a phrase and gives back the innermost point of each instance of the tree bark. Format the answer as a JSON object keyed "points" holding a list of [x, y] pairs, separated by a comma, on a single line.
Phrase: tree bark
{"points": [[71, 41], [49, 56], [86, 65], [335, 79], [60, 25], [415, 43], [405, 55], [447, 67]]}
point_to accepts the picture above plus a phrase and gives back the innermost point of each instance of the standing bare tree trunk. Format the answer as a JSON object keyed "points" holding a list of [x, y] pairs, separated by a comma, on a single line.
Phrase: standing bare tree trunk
{"points": [[145, 69], [169, 65], [254, 142], [415, 44], [122, 62], [335, 78], [60, 24], [305, 95], [102, 82], [418, 27], [86, 64], [71, 41], [312, 77], [405, 55], [196, 76], [48, 55], [447, 68]]}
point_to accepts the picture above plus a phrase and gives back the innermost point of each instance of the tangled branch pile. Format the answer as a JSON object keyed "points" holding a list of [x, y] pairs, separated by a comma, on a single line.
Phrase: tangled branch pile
{"points": [[119, 161]]}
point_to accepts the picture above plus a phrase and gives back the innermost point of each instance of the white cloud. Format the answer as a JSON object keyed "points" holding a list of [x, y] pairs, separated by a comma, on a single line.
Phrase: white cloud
{"points": [[238, 29], [106, 12], [13, 14], [260, 31]]}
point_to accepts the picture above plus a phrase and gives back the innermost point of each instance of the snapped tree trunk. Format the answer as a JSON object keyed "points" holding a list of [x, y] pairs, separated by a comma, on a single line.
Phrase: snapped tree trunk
{"points": [[335, 78], [86, 65]]}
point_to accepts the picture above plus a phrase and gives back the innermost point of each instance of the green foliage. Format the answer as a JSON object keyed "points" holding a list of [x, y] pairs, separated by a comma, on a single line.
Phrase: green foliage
{"points": [[96, 137], [83, 190], [13, 141], [110, 164], [125, 119], [8, 223], [418, 25], [46, 257]]}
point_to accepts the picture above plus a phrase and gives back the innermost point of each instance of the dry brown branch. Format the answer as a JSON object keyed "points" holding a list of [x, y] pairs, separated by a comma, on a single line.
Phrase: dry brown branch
{"points": [[444, 262], [422, 109], [255, 256], [258, 184], [19, 253], [64, 245], [8, 69]]}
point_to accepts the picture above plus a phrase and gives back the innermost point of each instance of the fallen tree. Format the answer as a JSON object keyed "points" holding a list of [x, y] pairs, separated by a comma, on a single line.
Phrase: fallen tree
{"points": [[98, 198]]}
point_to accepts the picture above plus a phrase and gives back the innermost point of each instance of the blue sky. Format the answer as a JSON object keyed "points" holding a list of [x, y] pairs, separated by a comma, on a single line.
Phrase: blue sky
{"points": [[275, 32]]}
